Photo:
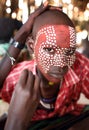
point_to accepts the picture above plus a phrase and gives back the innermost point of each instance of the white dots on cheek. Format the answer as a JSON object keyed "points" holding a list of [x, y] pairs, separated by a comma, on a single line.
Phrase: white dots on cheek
{"points": [[71, 60], [59, 60], [44, 60]]}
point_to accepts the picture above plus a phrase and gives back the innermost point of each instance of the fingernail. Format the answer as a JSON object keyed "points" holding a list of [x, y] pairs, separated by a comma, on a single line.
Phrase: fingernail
{"points": [[45, 3]]}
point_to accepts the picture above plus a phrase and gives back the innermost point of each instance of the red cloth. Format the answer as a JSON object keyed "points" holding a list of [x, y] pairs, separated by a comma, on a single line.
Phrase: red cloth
{"points": [[76, 81]]}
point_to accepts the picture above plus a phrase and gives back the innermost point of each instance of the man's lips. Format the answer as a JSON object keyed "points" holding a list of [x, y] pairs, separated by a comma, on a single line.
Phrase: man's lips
{"points": [[56, 74]]}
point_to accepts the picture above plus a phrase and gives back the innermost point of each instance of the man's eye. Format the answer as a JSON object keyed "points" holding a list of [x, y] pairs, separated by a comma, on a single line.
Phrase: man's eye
{"points": [[70, 51], [50, 50]]}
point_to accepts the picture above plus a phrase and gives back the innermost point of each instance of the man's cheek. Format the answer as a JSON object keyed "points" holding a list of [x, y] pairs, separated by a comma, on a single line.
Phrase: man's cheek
{"points": [[44, 62], [43, 59]]}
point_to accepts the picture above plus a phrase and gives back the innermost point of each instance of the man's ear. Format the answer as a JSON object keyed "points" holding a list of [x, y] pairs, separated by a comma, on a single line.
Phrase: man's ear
{"points": [[30, 44]]}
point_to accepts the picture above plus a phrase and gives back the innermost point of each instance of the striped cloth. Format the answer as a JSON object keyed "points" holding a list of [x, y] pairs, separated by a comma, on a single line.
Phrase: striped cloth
{"points": [[76, 81]]}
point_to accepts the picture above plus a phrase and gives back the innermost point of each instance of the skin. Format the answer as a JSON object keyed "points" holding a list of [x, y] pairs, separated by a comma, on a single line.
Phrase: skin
{"points": [[21, 36], [21, 107], [21, 112]]}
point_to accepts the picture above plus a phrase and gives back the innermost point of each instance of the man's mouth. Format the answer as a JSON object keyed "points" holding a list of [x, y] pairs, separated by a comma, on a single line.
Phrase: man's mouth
{"points": [[56, 75], [57, 72]]}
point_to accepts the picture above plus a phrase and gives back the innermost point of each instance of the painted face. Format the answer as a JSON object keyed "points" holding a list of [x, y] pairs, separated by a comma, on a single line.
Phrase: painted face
{"points": [[54, 50]]}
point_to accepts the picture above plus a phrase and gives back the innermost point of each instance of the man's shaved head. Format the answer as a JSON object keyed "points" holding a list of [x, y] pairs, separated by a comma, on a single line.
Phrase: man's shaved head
{"points": [[55, 17]]}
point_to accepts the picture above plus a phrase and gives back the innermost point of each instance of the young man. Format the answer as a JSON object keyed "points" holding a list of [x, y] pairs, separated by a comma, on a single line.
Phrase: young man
{"points": [[51, 84]]}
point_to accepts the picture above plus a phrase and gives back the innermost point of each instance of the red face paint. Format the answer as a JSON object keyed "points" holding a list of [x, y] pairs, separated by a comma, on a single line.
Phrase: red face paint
{"points": [[54, 46]]}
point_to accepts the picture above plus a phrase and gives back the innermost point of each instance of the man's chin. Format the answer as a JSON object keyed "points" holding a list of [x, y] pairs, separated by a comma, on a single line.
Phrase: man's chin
{"points": [[53, 80]]}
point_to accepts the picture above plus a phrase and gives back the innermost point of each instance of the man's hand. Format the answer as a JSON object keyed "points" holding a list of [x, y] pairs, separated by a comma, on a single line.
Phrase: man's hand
{"points": [[26, 29], [24, 102]]}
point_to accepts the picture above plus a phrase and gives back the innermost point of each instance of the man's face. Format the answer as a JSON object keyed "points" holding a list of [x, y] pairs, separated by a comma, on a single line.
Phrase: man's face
{"points": [[54, 51]]}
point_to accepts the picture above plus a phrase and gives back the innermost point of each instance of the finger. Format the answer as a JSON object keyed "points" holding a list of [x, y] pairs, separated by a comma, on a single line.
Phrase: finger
{"points": [[41, 84], [23, 78], [30, 81], [43, 81], [41, 9], [55, 8], [37, 84], [33, 15]]}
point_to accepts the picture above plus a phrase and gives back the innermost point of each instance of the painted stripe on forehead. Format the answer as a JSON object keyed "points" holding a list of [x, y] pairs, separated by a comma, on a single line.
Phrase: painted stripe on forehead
{"points": [[61, 35]]}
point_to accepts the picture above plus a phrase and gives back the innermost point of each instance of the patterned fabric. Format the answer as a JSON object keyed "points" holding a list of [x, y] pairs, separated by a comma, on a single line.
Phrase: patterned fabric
{"points": [[13, 77], [61, 122], [76, 81]]}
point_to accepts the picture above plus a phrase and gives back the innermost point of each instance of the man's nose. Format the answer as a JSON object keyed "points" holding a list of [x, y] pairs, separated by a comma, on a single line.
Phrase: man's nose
{"points": [[59, 69], [60, 60]]}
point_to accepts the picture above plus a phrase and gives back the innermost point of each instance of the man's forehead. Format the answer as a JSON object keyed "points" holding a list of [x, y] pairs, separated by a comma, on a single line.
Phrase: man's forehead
{"points": [[60, 35]]}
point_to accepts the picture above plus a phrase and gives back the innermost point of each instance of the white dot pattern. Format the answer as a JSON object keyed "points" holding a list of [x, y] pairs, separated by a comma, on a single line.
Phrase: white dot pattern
{"points": [[72, 36], [60, 58]]}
